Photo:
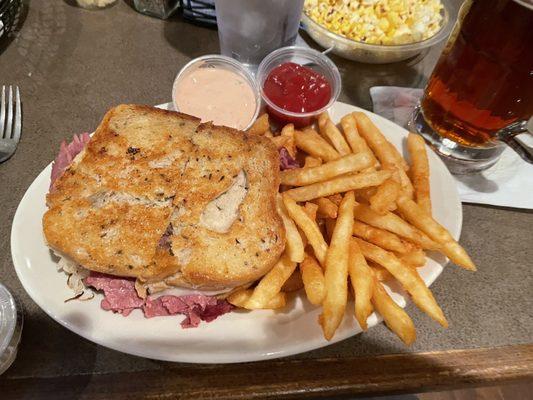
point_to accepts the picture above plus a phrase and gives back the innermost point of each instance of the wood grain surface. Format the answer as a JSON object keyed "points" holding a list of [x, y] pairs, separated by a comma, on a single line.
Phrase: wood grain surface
{"points": [[291, 379]]}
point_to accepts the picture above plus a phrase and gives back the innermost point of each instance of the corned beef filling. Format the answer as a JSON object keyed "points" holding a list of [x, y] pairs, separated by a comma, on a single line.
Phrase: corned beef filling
{"points": [[120, 295], [67, 153], [286, 161]]}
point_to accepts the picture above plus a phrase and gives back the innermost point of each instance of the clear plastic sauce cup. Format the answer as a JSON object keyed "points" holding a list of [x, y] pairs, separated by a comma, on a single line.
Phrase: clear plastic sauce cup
{"points": [[218, 89], [306, 57], [11, 319]]}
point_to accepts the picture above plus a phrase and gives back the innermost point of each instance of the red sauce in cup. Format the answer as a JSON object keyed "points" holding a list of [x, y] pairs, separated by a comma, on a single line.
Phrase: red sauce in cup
{"points": [[298, 89]]}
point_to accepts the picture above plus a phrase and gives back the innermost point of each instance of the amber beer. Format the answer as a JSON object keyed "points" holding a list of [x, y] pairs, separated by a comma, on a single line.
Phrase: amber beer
{"points": [[483, 80]]}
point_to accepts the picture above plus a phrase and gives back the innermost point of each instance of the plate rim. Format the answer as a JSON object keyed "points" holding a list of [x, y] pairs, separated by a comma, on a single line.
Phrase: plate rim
{"points": [[220, 359]]}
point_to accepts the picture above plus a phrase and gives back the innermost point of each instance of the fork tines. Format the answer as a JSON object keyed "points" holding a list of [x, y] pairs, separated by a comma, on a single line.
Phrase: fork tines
{"points": [[10, 114]]}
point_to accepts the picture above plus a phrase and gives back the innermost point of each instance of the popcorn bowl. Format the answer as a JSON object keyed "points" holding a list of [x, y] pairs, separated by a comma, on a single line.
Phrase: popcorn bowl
{"points": [[376, 53]]}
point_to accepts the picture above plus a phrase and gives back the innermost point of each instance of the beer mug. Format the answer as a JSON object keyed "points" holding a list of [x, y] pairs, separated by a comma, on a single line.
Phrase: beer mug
{"points": [[480, 94]]}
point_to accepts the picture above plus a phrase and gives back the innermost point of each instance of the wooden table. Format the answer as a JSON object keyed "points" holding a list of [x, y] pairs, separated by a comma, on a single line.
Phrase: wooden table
{"points": [[72, 65], [395, 373]]}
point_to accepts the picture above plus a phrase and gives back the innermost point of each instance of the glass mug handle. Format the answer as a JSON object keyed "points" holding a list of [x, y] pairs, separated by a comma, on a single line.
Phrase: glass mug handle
{"points": [[508, 136]]}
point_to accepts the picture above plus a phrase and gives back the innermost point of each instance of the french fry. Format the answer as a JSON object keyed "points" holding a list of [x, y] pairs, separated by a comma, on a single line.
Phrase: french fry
{"points": [[315, 145], [329, 170], [384, 200], [313, 279], [311, 210], [419, 171], [290, 145], [260, 126], [280, 141], [311, 213], [241, 297], [375, 139], [288, 132], [410, 246], [415, 258], [400, 161], [294, 244], [394, 316], [449, 246], [382, 274], [393, 223], [270, 284], [380, 237], [361, 278], [338, 185], [357, 143], [400, 176], [326, 208], [336, 275], [365, 194], [311, 162], [336, 198], [382, 148], [330, 132], [294, 282], [302, 235], [405, 182], [408, 277], [309, 227]]}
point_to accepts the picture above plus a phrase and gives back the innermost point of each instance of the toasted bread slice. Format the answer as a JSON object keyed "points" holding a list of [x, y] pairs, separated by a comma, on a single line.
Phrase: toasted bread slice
{"points": [[156, 195]]}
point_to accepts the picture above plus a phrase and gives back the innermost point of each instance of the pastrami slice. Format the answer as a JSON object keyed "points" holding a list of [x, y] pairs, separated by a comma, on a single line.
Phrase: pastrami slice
{"points": [[67, 153], [121, 297]]}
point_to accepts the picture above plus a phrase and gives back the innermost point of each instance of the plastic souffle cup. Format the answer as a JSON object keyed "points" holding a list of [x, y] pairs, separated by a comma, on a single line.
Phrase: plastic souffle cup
{"points": [[306, 57], [11, 320], [223, 62]]}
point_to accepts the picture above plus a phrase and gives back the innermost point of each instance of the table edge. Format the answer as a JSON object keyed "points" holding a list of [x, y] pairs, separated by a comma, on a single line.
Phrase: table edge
{"points": [[369, 375]]}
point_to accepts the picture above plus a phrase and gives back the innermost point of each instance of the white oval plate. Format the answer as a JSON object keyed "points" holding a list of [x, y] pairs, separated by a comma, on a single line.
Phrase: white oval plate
{"points": [[235, 337]]}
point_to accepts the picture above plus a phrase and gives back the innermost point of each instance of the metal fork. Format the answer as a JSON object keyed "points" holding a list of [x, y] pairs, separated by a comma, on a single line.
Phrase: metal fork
{"points": [[10, 122]]}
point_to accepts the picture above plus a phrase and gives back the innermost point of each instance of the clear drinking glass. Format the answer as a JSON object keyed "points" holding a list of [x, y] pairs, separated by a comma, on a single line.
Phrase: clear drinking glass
{"points": [[248, 30], [480, 94]]}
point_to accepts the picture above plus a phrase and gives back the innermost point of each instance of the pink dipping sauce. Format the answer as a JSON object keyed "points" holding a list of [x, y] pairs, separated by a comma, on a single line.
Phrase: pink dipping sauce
{"points": [[215, 94]]}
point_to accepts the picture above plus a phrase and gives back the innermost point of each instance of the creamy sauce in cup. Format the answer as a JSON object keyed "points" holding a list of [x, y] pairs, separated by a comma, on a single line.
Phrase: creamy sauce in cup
{"points": [[215, 94]]}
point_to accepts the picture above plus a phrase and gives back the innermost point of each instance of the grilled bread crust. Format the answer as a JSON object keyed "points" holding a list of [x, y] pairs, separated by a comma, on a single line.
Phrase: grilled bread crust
{"points": [[148, 171]]}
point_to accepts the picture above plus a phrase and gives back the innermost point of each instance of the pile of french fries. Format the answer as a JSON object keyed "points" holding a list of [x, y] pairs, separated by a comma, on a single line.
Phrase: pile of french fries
{"points": [[356, 214]]}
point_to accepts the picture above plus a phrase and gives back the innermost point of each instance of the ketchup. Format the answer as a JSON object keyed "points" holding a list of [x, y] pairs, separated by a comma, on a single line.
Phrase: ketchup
{"points": [[293, 87]]}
